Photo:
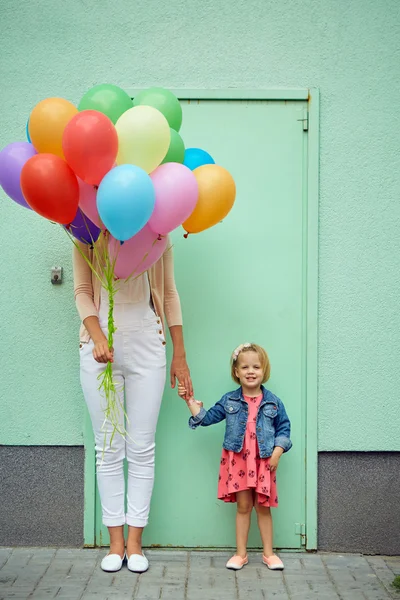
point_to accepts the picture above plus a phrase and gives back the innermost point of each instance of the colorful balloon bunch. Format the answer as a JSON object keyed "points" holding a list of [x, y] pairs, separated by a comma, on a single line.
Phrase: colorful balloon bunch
{"points": [[117, 165], [117, 168]]}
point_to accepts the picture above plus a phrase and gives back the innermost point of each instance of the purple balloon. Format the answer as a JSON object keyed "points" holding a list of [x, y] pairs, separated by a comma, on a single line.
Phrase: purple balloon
{"points": [[12, 159], [83, 229]]}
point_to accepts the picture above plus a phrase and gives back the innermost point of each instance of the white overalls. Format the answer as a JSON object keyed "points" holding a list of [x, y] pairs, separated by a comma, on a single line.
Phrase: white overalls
{"points": [[140, 368]]}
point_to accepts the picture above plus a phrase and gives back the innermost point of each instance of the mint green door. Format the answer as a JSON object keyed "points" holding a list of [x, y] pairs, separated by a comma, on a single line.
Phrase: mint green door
{"points": [[244, 280]]}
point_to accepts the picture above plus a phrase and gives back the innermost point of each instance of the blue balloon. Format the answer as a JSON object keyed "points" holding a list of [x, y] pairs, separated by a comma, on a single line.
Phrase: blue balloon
{"points": [[28, 137], [196, 157], [125, 201]]}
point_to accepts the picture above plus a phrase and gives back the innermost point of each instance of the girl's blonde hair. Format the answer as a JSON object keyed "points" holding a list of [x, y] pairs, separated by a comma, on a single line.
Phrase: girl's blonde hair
{"points": [[263, 356]]}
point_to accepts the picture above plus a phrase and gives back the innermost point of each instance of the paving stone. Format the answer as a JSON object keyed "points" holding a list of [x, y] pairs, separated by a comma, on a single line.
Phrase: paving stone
{"points": [[75, 574], [261, 584], [353, 578], [5, 554], [167, 556], [10, 594]]}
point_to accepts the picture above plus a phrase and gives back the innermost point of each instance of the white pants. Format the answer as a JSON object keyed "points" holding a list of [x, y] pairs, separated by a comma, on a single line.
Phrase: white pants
{"points": [[140, 368]]}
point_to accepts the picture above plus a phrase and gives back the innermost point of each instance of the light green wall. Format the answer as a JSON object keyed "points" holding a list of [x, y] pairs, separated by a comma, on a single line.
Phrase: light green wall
{"points": [[350, 50]]}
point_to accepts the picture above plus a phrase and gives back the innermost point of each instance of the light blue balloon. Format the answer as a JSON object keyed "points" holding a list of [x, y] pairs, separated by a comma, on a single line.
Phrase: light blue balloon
{"points": [[196, 157], [28, 137], [125, 201]]}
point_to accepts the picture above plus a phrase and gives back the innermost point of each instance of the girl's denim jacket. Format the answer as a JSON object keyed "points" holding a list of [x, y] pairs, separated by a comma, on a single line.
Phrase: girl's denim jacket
{"points": [[272, 425]]}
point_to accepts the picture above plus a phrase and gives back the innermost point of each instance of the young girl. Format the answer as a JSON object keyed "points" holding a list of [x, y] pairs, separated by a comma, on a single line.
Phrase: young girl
{"points": [[257, 434]]}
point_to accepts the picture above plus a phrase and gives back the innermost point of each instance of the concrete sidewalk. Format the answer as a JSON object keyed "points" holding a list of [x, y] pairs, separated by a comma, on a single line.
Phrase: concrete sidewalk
{"points": [[45, 573]]}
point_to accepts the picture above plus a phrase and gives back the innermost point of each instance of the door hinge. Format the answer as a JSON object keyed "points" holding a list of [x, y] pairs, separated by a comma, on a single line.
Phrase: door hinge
{"points": [[300, 529], [304, 120]]}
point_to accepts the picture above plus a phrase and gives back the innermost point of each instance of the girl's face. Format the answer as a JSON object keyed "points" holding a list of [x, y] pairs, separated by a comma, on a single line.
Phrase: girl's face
{"points": [[249, 371]]}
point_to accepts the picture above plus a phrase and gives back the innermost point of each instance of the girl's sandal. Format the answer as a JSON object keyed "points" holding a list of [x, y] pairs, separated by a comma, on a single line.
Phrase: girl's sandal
{"points": [[273, 562], [236, 562]]}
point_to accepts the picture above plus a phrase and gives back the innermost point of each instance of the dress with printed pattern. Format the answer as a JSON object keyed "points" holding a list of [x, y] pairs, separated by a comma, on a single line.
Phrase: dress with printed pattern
{"points": [[246, 470]]}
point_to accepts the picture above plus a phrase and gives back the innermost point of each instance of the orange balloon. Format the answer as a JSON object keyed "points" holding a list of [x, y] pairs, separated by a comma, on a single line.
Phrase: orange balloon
{"points": [[217, 193], [47, 123]]}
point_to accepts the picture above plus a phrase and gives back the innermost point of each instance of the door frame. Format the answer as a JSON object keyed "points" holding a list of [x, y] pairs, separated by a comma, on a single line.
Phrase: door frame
{"points": [[310, 296]]}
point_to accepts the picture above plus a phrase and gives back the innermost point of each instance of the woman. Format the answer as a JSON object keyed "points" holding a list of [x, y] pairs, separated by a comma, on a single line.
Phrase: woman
{"points": [[139, 369]]}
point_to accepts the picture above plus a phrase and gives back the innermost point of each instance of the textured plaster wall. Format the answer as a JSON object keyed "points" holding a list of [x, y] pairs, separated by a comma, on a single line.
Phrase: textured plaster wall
{"points": [[41, 496], [358, 508], [351, 51]]}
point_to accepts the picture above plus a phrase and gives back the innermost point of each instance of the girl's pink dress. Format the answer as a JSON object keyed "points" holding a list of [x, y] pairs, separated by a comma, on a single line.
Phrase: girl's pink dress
{"points": [[246, 470]]}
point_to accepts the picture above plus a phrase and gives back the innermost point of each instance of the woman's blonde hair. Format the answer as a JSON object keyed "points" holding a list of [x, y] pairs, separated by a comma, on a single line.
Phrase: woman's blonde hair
{"points": [[263, 356]]}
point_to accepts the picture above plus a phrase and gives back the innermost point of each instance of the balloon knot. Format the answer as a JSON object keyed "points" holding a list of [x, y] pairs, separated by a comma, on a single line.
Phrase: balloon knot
{"points": [[186, 235], [68, 227], [159, 237], [92, 247], [96, 187], [122, 243]]}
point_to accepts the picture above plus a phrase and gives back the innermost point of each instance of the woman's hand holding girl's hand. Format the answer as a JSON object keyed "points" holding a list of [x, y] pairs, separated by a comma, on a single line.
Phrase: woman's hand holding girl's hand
{"points": [[188, 399], [182, 391], [180, 371], [274, 460], [101, 352]]}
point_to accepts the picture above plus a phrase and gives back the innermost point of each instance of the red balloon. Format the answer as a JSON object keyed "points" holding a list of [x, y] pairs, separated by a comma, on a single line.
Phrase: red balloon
{"points": [[50, 187], [90, 145]]}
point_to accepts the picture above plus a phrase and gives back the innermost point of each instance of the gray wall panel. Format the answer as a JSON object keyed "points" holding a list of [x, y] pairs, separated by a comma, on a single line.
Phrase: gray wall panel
{"points": [[359, 502], [41, 495]]}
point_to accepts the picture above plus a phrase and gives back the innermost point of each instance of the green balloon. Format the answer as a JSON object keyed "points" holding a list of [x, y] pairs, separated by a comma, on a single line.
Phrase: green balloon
{"points": [[108, 99], [164, 101], [176, 150]]}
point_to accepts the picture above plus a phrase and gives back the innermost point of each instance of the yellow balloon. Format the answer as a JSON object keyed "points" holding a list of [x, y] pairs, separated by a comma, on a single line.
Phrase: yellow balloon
{"points": [[47, 122], [217, 193], [143, 136]]}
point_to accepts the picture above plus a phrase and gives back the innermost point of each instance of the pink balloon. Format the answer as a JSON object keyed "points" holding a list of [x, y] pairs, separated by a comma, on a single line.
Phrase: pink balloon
{"points": [[87, 202], [137, 254], [176, 196]]}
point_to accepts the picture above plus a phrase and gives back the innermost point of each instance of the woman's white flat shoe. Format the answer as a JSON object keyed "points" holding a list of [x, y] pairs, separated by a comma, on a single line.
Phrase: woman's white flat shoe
{"points": [[138, 563], [112, 563]]}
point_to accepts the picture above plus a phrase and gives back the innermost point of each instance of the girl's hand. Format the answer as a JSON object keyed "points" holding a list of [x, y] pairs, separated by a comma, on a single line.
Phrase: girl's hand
{"points": [[193, 401], [102, 353], [274, 460], [180, 371], [182, 391], [190, 400]]}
